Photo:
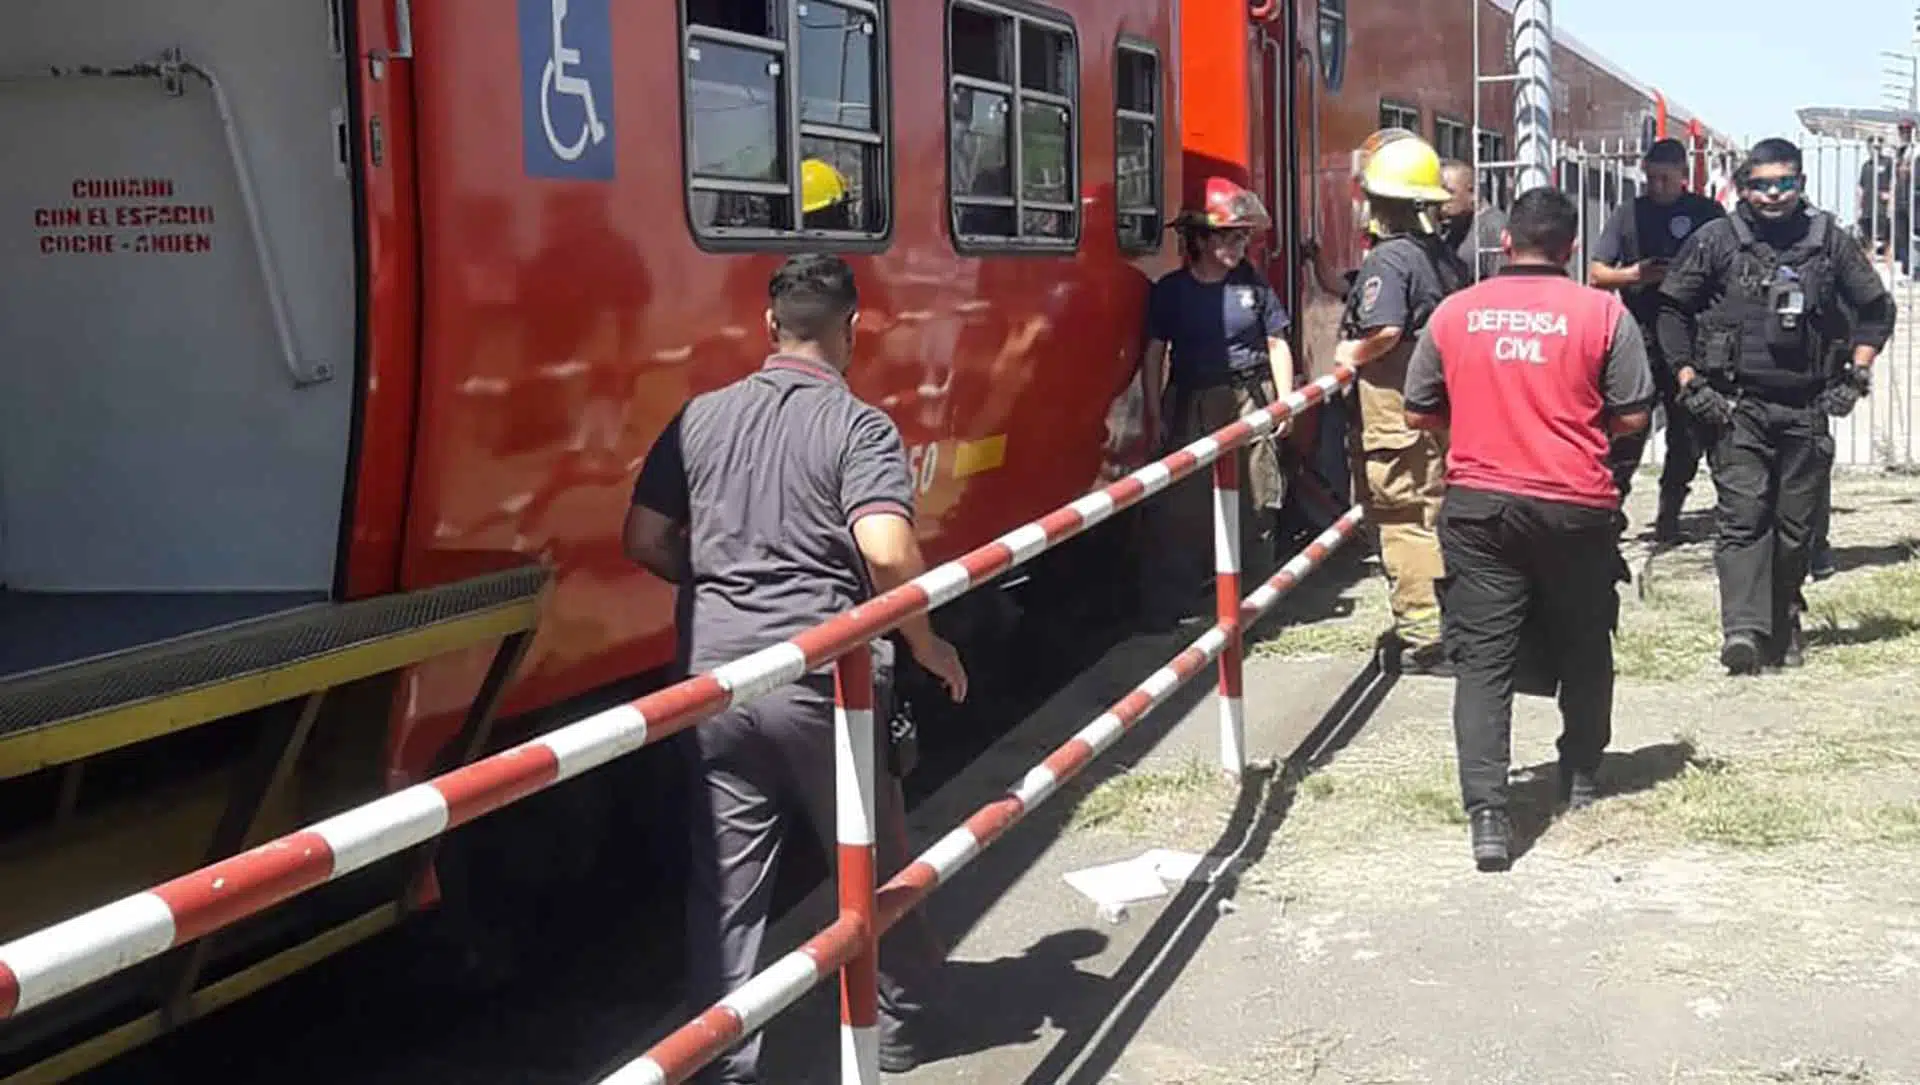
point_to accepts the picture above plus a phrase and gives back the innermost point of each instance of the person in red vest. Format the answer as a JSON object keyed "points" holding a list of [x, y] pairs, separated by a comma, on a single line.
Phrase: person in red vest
{"points": [[1533, 373]]}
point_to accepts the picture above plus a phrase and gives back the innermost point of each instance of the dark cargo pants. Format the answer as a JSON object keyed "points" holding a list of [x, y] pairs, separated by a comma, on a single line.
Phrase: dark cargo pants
{"points": [[759, 764], [1514, 564], [1770, 466]]}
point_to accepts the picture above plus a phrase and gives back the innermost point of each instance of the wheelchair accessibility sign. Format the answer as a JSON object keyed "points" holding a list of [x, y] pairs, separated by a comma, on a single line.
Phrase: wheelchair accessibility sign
{"points": [[566, 89]]}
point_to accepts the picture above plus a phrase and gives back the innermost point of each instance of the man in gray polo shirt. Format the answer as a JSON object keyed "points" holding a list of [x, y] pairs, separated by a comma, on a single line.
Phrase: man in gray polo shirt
{"points": [[778, 502]]}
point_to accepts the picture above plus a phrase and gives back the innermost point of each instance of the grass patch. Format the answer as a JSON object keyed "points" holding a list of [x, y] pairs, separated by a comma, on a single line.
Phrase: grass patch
{"points": [[1357, 633], [1364, 799], [1141, 800], [1711, 804], [1672, 633], [1778, 803], [1868, 621]]}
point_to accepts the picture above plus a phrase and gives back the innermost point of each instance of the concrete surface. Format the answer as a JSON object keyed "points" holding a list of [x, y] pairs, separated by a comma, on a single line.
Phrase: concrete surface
{"points": [[1742, 907]]}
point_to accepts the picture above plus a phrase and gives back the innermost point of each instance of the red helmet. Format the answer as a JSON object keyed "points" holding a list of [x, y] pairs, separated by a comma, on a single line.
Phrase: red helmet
{"points": [[1226, 206]]}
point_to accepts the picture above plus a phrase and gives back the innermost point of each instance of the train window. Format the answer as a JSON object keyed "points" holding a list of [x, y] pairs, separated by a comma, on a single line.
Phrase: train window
{"points": [[1333, 43], [755, 18], [1136, 149], [786, 120], [1450, 139], [1013, 149], [1396, 115], [1498, 182]]}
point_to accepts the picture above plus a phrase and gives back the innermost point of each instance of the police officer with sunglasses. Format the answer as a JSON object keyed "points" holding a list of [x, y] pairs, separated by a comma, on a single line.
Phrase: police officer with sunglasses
{"points": [[1748, 311]]}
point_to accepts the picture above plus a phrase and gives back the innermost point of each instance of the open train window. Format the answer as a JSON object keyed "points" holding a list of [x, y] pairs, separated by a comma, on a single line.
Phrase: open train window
{"points": [[1399, 115], [1333, 43], [1451, 139], [1013, 81], [786, 121], [1137, 171]]}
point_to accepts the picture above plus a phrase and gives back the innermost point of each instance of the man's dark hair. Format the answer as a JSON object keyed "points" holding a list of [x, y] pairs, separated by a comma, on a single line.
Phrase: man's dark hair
{"points": [[1543, 222], [812, 294], [1772, 152], [1667, 152]]}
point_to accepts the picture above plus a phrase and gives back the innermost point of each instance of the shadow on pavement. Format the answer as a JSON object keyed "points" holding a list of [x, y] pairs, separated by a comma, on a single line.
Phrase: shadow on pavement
{"points": [[1007, 1001], [1533, 796]]}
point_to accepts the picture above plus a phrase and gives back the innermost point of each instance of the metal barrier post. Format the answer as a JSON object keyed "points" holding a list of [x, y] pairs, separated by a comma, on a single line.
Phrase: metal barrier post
{"points": [[1226, 581], [853, 782]]}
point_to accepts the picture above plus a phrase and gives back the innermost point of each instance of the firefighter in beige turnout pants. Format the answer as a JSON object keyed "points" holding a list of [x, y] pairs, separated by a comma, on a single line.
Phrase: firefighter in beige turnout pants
{"points": [[1406, 273]]}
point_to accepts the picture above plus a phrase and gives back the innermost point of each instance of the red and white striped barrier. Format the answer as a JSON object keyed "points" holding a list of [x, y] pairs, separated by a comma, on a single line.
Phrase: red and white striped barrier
{"points": [[688, 1050], [48, 963]]}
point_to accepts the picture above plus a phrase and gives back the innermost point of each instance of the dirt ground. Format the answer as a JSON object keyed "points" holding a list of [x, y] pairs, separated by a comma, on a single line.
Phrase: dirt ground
{"points": [[1743, 906]]}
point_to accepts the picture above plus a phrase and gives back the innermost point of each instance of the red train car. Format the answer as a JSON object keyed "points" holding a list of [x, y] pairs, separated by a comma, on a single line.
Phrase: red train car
{"points": [[325, 307]]}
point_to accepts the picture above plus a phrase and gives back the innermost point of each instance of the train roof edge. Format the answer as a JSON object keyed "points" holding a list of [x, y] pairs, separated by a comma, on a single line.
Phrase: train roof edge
{"points": [[1593, 56]]}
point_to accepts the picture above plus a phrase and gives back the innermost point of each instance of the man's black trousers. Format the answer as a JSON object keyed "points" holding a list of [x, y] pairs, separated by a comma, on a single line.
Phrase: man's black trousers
{"points": [[760, 765], [1770, 466], [1684, 444], [1521, 566]]}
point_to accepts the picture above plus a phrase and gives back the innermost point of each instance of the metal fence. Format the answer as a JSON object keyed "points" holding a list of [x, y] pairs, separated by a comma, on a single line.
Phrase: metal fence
{"points": [[1879, 434], [1849, 177]]}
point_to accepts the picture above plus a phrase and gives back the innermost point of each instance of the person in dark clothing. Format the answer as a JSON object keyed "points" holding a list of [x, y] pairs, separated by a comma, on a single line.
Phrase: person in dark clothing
{"points": [[1762, 289], [1886, 199], [1532, 372], [1469, 223], [1820, 564], [777, 502], [1639, 241], [1216, 351]]}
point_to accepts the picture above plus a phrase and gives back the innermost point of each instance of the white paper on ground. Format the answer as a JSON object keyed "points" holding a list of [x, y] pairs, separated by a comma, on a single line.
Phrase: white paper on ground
{"points": [[1147, 876]]}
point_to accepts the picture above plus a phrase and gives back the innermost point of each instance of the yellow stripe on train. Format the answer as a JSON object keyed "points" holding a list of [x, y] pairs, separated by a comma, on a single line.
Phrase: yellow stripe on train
{"points": [[979, 456]]}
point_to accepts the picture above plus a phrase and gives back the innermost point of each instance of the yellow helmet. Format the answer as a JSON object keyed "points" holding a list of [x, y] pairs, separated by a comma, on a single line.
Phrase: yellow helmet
{"points": [[820, 186], [1402, 166]]}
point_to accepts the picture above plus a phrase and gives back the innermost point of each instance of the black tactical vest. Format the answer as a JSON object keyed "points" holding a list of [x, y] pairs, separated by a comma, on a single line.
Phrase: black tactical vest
{"points": [[1770, 327]]}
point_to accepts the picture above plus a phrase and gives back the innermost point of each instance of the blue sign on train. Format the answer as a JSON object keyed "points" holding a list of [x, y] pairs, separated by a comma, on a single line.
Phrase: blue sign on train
{"points": [[566, 89]]}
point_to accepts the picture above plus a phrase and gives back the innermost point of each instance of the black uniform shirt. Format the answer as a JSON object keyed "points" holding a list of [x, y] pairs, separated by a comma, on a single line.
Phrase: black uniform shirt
{"points": [[1398, 287], [1698, 279], [769, 474], [1657, 234]]}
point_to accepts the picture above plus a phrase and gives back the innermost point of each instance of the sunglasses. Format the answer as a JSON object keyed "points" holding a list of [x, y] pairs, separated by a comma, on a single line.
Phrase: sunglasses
{"points": [[1772, 185]]}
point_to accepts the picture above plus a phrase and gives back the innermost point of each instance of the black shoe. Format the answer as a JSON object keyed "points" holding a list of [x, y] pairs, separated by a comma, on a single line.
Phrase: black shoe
{"points": [[1579, 788], [898, 1058], [1821, 565], [900, 1046], [1794, 653], [1425, 661], [1492, 840], [1740, 654], [1666, 526]]}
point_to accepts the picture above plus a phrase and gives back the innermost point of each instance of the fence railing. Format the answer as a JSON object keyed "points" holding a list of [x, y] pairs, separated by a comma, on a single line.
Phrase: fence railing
{"points": [[40, 967]]}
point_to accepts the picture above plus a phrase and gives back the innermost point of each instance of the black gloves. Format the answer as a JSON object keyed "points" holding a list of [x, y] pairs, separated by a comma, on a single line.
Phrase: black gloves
{"points": [[1699, 399], [1840, 397]]}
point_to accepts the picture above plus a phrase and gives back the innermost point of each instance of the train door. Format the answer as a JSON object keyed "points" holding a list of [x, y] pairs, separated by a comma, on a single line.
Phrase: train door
{"points": [[179, 304], [1279, 85]]}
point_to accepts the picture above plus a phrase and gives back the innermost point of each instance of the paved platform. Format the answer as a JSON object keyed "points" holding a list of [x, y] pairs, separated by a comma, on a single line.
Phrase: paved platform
{"points": [[1743, 906]]}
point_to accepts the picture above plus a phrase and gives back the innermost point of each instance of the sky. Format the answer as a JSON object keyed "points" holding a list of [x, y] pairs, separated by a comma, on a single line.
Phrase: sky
{"points": [[1745, 66]]}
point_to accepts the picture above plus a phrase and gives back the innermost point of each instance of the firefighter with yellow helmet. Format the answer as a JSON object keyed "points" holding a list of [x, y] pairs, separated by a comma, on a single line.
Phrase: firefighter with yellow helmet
{"points": [[1407, 271], [826, 200]]}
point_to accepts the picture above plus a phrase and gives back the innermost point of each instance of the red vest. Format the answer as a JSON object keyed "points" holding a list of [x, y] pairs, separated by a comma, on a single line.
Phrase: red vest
{"points": [[1523, 356]]}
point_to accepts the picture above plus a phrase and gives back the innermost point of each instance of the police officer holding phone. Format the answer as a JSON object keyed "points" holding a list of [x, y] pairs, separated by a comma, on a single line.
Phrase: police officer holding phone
{"points": [[1747, 316], [1632, 257]]}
